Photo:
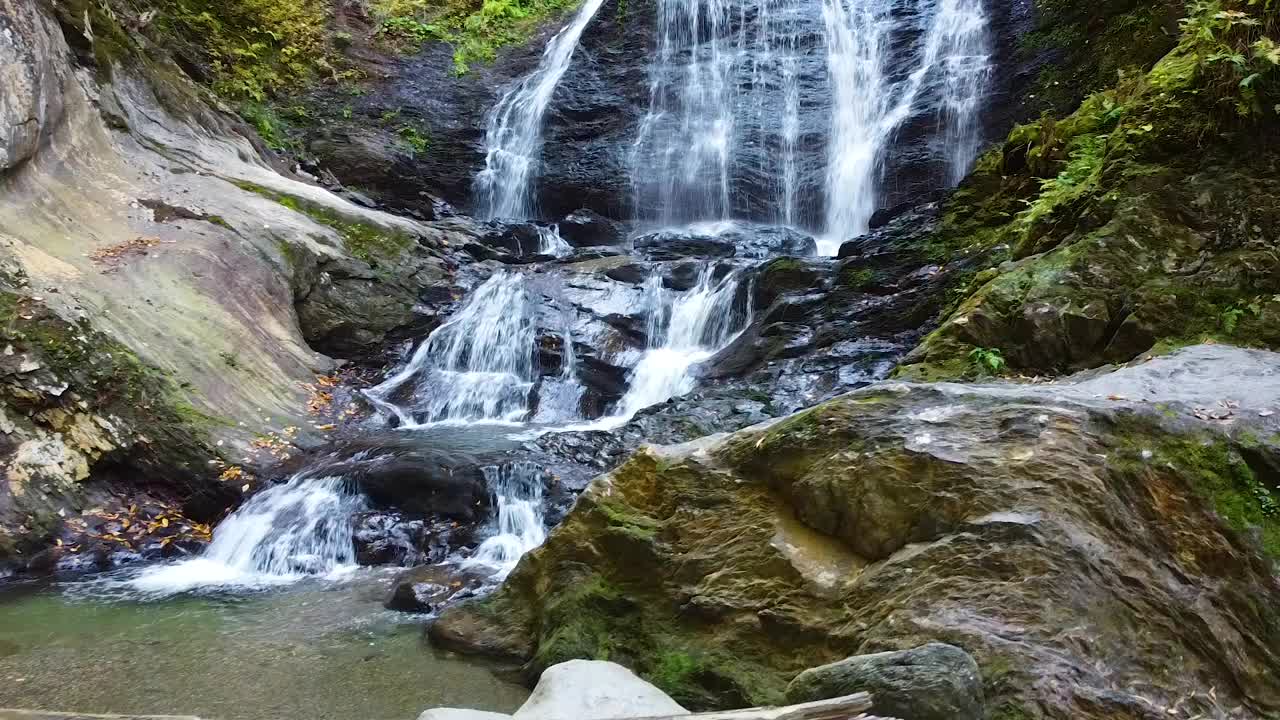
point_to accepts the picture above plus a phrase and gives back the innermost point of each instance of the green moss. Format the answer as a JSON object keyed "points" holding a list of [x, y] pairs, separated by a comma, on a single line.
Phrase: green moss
{"points": [[368, 242], [108, 376], [859, 279], [628, 520], [1222, 477], [1216, 470]]}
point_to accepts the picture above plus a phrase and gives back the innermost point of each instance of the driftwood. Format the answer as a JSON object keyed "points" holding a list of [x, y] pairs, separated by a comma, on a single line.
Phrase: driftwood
{"points": [[848, 707]]}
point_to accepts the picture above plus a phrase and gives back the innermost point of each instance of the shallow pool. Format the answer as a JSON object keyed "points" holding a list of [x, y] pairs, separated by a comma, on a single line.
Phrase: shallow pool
{"points": [[318, 649]]}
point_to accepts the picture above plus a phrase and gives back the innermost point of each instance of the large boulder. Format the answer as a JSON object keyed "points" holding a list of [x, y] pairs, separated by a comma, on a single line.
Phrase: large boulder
{"points": [[581, 690], [931, 682], [1072, 537]]}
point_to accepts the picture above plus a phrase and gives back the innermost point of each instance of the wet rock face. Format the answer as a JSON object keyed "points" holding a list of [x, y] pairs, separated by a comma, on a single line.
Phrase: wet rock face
{"points": [[596, 114], [903, 515]]}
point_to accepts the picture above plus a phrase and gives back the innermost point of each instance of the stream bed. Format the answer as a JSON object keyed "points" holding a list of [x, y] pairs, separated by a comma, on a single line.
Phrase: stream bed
{"points": [[318, 649]]}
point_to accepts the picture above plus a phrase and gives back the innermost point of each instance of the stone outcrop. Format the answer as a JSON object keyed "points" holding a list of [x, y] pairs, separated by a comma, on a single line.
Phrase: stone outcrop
{"points": [[1074, 538], [163, 285], [931, 682], [582, 690]]}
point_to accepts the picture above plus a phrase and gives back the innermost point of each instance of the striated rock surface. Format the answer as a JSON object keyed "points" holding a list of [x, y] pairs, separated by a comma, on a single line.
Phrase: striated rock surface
{"points": [[1103, 547], [162, 287]]}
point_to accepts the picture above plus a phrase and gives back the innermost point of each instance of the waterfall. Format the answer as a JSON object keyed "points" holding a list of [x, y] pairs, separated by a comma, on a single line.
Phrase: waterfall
{"points": [[968, 71], [723, 95], [868, 108], [683, 331], [519, 526], [513, 136], [550, 242], [287, 532], [478, 366]]}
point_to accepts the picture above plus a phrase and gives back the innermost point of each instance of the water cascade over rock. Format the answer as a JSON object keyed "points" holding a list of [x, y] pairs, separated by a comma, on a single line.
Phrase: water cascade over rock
{"points": [[684, 329], [869, 105], [478, 366], [513, 138], [289, 531], [519, 525], [730, 132]]}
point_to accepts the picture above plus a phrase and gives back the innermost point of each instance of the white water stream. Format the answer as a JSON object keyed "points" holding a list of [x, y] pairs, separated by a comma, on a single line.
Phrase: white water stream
{"points": [[477, 367], [519, 525], [513, 139], [289, 531], [869, 107]]}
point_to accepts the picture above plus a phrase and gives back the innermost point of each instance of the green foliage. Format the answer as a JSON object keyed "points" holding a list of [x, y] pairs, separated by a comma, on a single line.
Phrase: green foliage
{"points": [[253, 48], [987, 361], [268, 124], [475, 28], [1240, 59], [1230, 319]]}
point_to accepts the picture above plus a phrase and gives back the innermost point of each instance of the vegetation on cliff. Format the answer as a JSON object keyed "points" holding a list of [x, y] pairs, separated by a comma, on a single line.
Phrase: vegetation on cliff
{"points": [[1144, 220], [475, 28]]}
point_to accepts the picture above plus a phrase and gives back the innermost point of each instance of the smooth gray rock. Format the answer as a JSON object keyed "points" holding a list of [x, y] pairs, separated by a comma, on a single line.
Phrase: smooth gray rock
{"points": [[580, 690], [931, 682], [594, 690]]}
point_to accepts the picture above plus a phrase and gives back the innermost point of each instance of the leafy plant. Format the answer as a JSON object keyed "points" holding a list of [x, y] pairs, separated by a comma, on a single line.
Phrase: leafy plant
{"points": [[987, 361], [475, 28], [253, 48], [1231, 317]]}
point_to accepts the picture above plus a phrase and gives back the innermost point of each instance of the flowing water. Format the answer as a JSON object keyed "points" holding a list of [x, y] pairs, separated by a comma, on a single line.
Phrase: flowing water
{"points": [[297, 529], [477, 367], [730, 128], [869, 106], [684, 330], [513, 139], [519, 525]]}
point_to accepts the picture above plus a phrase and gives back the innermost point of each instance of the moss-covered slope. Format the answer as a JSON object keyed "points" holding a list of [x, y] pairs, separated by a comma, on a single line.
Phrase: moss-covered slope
{"points": [[1145, 219]]}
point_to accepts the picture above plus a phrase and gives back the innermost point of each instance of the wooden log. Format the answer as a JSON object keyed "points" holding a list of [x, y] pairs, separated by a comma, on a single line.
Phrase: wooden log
{"points": [[848, 707]]}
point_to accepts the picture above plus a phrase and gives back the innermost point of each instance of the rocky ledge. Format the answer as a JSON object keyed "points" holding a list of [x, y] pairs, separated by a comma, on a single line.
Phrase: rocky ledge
{"points": [[1103, 546]]}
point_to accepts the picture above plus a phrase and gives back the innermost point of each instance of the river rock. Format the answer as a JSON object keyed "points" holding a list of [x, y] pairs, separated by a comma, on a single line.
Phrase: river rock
{"points": [[904, 514], [931, 682], [587, 228], [581, 690]]}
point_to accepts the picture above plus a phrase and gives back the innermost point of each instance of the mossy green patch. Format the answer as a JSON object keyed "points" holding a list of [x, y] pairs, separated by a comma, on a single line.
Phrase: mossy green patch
{"points": [[371, 243]]}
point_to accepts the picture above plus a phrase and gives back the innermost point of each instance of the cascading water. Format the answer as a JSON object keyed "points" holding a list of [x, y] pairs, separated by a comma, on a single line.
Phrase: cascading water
{"points": [[727, 134], [683, 332], [723, 110], [550, 242], [477, 367], [513, 138], [519, 526], [297, 529], [868, 108]]}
